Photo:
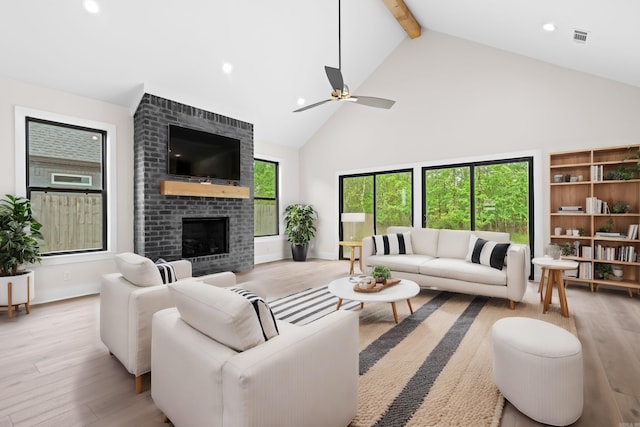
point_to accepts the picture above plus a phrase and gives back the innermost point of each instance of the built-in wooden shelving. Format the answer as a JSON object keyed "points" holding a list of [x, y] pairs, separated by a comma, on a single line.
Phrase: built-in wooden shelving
{"points": [[197, 189]]}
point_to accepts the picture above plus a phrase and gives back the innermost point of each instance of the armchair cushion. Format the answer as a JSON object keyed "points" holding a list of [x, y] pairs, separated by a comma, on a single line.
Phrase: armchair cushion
{"points": [[219, 313], [138, 270]]}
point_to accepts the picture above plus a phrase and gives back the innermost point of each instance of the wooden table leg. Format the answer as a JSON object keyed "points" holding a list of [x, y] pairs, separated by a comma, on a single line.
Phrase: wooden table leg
{"points": [[541, 286], [339, 304], [361, 305], [562, 295], [547, 298], [409, 304], [352, 258], [360, 257], [395, 313], [9, 305]]}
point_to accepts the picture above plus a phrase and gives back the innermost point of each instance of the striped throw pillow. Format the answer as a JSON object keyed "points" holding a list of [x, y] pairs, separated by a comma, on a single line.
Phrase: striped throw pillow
{"points": [[263, 312], [486, 252], [167, 272], [393, 244]]}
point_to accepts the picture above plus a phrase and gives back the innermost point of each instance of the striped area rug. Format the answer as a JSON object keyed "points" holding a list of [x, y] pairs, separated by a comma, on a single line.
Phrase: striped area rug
{"points": [[434, 368], [308, 305]]}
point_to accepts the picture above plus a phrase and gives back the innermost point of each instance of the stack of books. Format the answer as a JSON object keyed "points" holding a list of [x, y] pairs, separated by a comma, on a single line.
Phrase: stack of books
{"points": [[596, 206], [597, 173], [632, 234]]}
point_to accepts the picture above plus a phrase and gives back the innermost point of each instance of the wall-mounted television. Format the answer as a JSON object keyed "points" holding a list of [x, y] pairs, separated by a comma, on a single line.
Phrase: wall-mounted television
{"points": [[196, 153]]}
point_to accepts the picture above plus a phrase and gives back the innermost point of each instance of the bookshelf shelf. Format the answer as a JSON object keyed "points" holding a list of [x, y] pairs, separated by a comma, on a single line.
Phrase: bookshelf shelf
{"points": [[586, 183]]}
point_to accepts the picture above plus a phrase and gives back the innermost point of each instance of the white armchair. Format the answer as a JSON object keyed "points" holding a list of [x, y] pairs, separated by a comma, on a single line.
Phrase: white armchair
{"points": [[208, 370], [128, 300]]}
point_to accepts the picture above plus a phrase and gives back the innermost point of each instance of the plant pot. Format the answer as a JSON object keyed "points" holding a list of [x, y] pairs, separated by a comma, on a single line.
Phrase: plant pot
{"points": [[22, 290], [299, 252]]}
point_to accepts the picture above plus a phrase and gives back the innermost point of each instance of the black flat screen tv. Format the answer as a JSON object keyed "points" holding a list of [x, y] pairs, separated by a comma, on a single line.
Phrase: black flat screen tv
{"points": [[200, 154]]}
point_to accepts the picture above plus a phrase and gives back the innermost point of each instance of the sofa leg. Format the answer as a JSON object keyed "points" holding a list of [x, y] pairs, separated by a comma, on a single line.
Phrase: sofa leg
{"points": [[139, 384], [512, 304]]}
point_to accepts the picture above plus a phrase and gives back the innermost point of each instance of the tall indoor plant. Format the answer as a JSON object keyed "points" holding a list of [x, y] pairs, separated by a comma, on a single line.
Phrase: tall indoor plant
{"points": [[19, 234], [299, 228]]}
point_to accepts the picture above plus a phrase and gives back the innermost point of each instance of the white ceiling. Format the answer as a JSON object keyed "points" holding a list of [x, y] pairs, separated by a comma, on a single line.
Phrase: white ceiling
{"points": [[278, 49]]}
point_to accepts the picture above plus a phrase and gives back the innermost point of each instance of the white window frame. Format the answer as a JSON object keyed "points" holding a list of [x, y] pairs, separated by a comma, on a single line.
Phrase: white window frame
{"points": [[21, 114]]}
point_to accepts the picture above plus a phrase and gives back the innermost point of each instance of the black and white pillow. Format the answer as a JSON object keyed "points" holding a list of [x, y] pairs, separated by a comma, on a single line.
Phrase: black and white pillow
{"points": [[167, 272], [486, 252], [393, 244], [263, 311]]}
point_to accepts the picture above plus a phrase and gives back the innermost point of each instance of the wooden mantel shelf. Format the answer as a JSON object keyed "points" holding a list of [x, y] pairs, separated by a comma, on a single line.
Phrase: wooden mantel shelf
{"points": [[181, 188]]}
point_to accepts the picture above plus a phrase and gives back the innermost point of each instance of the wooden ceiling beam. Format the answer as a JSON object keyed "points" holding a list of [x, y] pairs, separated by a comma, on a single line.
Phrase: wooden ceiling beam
{"points": [[405, 18]]}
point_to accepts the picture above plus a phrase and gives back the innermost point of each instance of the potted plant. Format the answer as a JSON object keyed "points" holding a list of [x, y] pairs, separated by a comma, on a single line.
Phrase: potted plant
{"points": [[380, 273], [299, 228], [19, 234]]}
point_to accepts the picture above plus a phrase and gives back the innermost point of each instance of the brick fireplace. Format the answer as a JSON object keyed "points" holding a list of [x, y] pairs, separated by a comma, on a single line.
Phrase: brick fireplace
{"points": [[158, 218]]}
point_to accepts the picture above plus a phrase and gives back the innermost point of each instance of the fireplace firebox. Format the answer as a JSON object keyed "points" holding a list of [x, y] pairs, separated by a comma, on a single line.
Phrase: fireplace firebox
{"points": [[205, 236]]}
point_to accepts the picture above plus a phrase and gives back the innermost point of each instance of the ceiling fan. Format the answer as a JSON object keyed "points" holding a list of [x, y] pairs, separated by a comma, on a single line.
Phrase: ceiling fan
{"points": [[340, 90]]}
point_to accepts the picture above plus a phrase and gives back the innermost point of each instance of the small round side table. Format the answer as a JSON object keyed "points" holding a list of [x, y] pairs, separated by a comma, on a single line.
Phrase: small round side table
{"points": [[553, 269]]}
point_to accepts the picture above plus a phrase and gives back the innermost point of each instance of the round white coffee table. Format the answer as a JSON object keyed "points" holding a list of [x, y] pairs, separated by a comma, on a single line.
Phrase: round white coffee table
{"points": [[405, 290]]}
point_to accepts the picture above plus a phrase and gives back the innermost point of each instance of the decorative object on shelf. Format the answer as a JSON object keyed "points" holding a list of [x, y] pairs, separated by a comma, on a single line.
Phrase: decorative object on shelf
{"points": [[617, 271], [581, 232], [603, 270], [19, 245], [299, 228], [558, 178], [557, 231], [353, 218], [380, 273], [620, 173], [566, 249], [607, 227], [620, 207]]}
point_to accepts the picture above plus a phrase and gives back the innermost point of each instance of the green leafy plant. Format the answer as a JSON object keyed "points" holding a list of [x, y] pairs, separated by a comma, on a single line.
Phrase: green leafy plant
{"points": [[607, 226], [566, 249], [380, 272], [19, 234], [620, 207], [620, 173], [298, 223], [603, 271]]}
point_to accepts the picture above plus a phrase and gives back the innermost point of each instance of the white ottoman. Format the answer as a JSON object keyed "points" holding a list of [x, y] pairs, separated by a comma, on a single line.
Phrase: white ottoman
{"points": [[538, 368]]}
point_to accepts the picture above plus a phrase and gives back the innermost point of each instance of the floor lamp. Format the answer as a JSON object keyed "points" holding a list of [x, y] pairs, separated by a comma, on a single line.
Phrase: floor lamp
{"points": [[352, 217]]}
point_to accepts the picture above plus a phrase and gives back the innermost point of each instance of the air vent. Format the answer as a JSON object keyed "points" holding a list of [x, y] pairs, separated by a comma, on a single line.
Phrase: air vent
{"points": [[580, 36]]}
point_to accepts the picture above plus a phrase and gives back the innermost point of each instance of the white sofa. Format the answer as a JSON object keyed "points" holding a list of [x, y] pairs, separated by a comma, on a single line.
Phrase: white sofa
{"points": [[128, 300], [440, 259], [211, 365]]}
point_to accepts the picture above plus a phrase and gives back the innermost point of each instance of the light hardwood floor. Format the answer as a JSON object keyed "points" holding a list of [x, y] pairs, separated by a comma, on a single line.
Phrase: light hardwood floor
{"points": [[55, 371]]}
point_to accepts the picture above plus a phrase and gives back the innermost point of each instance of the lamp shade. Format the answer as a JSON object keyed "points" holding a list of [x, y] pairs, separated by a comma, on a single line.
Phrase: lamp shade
{"points": [[353, 217]]}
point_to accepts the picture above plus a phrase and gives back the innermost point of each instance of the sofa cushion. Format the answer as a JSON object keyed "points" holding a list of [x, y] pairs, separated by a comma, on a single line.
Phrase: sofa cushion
{"points": [[404, 263], [393, 244], [486, 252], [219, 313], [137, 269], [459, 269], [425, 241], [453, 243]]}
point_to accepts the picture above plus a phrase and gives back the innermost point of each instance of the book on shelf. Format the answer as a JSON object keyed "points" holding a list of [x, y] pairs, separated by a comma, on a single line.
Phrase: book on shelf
{"points": [[608, 234], [587, 253], [570, 209], [632, 234], [597, 173], [596, 206], [584, 270]]}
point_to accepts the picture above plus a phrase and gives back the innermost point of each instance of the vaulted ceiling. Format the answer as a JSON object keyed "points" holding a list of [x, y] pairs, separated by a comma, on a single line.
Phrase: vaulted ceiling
{"points": [[278, 50]]}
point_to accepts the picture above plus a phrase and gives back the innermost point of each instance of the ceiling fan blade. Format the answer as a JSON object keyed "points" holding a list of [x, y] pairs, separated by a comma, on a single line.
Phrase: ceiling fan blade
{"points": [[306, 107], [335, 78], [371, 101]]}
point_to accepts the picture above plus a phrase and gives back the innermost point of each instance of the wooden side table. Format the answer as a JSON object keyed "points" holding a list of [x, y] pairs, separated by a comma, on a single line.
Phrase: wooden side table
{"points": [[554, 269], [353, 245]]}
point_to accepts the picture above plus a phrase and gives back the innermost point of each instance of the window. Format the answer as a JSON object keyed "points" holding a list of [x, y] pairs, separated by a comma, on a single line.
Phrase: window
{"points": [[265, 198], [386, 198], [66, 182], [488, 196]]}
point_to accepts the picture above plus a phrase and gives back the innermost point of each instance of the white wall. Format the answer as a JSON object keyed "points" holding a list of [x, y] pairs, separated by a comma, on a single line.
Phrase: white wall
{"points": [[461, 100], [275, 248], [83, 271]]}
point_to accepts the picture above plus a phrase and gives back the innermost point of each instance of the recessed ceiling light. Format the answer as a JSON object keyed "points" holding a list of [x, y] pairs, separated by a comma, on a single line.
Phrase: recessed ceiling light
{"points": [[300, 101], [227, 68], [91, 6], [549, 27]]}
